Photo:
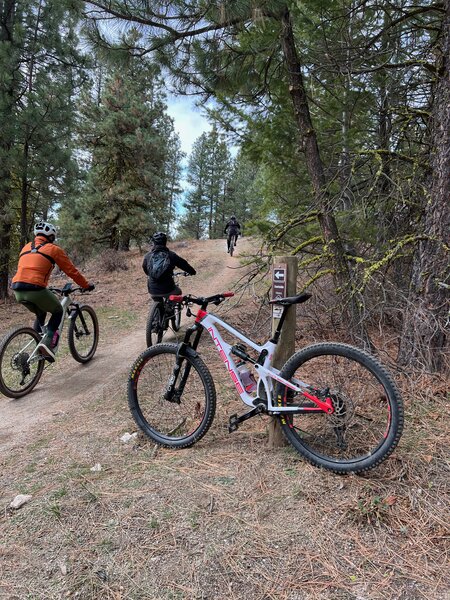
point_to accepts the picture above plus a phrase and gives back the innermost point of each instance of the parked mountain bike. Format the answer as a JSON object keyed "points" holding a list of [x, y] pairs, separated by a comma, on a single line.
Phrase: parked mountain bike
{"points": [[164, 313], [21, 363], [337, 405]]}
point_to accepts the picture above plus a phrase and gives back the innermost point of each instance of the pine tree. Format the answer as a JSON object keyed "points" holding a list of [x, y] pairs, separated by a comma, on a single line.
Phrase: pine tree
{"points": [[41, 70], [130, 138], [208, 173]]}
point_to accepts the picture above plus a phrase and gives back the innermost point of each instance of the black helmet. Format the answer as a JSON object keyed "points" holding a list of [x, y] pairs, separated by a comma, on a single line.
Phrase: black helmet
{"points": [[159, 238]]}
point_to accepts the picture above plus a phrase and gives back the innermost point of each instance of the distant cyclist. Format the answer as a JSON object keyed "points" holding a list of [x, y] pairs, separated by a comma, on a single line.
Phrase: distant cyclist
{"points": [[232, 228], [159, 265], [36, 262]]}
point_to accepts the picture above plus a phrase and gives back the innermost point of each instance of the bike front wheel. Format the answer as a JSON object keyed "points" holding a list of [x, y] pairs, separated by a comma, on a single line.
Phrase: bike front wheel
{"points": [[83, 333], [367, 421], [184, 419], [19, 374], [154, 330], [176, 319]]}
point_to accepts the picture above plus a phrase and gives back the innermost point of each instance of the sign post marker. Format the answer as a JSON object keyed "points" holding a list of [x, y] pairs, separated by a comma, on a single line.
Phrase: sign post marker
{"points": [[284, 283]]}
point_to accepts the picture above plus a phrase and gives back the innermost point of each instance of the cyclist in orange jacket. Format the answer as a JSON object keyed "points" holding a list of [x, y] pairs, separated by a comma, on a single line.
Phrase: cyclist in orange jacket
{"points": [[36, 262]]}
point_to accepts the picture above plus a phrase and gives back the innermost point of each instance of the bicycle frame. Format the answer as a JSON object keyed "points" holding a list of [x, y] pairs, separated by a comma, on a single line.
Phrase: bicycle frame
{"points": [[263, 366], [66, 304]]}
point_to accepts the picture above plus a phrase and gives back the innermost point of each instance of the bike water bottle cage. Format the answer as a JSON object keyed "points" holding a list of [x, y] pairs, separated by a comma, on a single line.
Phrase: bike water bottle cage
{"points": [[35, 250]]}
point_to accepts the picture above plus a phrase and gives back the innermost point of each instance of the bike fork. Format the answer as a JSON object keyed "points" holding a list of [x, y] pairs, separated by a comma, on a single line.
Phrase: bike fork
{"points": [[173, 393]]}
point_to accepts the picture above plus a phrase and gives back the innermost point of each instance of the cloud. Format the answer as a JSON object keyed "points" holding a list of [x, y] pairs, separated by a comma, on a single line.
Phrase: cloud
{"points": [[189, 120]]}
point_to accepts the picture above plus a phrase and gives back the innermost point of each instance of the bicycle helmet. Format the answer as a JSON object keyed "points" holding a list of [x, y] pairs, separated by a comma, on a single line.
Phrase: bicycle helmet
{"points": [[159, 238], [46, 229]]}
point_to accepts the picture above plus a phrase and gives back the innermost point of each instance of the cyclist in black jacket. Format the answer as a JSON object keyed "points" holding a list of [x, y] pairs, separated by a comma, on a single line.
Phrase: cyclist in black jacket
{"points": [[232, 228], [164, 285]]}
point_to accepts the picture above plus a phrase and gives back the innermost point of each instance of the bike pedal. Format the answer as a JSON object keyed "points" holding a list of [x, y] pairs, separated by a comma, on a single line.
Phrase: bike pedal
{"points": [[233, 423]]}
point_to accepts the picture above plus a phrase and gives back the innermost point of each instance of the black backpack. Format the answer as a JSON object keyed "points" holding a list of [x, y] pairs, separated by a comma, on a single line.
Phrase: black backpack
{"points": [[159, 263]]}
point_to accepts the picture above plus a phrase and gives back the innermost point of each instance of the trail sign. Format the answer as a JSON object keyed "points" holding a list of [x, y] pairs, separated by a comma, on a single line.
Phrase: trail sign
{"points": [[278, 287]]}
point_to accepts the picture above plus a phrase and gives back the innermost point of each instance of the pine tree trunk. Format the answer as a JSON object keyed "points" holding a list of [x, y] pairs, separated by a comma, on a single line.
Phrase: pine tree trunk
{"points": [[7, 17], [26, 145], [125, 243], [315, 168], [425, 338]]}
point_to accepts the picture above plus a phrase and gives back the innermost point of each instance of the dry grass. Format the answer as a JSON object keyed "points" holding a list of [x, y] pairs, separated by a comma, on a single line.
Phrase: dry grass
{"points": [[228, 518]]}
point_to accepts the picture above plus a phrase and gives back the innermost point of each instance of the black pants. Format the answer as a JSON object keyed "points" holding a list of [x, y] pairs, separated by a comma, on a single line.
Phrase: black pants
{"points": [[230, 235]]}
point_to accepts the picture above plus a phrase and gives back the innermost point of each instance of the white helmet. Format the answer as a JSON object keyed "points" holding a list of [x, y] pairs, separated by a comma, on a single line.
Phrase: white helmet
{"points": [[43, 228]]}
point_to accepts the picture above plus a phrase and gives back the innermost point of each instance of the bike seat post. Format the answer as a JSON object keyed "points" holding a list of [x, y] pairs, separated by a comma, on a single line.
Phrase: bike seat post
{"points": [[276, 335]]}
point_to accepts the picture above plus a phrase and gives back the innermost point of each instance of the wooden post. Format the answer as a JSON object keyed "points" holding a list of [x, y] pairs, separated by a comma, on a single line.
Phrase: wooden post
{"points": [[284, 283]]}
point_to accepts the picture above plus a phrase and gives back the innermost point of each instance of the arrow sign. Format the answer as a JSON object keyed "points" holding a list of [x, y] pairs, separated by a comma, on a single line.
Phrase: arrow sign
{"points": [[278, 284]]}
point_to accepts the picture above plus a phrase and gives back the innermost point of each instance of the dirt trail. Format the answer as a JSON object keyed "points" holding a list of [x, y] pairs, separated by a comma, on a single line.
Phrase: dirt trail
{"points": [[63, 387]]}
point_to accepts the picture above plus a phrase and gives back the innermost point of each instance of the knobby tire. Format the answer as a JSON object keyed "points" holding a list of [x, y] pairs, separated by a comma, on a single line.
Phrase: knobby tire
{"points": [[368, 419], [10, 364], [77, 332], [170, 423]]}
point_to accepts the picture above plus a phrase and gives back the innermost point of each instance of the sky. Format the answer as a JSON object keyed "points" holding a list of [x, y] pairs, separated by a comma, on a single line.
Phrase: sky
{"points": [[190, 123]]}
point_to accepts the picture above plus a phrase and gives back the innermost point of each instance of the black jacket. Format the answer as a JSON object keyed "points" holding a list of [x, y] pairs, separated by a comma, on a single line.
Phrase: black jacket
{"points": [[166, 283], [233, 227]]}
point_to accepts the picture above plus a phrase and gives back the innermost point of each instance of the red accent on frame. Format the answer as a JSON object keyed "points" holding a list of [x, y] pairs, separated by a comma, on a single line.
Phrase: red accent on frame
{"points": [[326, 406], [228, 294], [200, 315], [223, 356], [176, 298]]}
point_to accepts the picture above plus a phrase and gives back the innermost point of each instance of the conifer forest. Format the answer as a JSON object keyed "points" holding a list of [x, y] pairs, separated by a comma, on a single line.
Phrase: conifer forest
{"points": [[329, 139]]}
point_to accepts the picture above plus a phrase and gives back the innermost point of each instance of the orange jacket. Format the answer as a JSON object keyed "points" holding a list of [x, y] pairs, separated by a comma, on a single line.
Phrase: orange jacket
{"points": [[35, 267]]}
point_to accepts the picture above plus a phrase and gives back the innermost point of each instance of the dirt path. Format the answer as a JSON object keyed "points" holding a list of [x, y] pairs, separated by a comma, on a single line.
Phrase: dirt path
{"points": [[63, 387]]}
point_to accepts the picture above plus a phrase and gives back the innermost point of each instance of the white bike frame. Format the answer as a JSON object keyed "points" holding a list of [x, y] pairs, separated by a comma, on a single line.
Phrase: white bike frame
{"points": [[266, 372], [65, 303]]}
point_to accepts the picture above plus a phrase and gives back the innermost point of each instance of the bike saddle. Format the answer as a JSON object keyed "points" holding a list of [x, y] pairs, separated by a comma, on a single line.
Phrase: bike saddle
{"points": [[291, 300]]}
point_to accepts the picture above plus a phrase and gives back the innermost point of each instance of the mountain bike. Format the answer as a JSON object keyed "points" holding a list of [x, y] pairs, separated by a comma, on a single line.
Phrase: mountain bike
{"points": [[233, 240], [21, 364], [163, 313], [337, 405]]}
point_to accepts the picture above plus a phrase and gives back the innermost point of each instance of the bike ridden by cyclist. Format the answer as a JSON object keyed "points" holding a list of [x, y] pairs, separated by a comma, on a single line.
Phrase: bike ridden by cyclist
{"points": [[159, 265], [36, 262], [234, 229]]}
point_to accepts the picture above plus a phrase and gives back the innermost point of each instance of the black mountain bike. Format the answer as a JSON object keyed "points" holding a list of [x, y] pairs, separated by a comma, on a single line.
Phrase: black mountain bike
{"points": [[233, 240], [164, 314]]}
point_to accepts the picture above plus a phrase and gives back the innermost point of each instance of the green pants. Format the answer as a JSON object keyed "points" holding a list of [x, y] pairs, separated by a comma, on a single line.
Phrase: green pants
{"points": [[40, 303]]}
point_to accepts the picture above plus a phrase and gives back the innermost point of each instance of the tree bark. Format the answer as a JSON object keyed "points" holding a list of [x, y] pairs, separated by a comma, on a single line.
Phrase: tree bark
{"points": [[425, 339], [310, 147], [26, 145], [7, 18]]}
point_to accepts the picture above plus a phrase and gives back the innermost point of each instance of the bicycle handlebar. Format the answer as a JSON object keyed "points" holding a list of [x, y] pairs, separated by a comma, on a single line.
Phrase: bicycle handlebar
{"points": [[201, 300], [67, 289]]}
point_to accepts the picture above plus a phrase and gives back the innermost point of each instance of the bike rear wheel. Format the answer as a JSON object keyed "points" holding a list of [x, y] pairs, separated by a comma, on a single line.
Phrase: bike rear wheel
{"points": [[368, 411], [83, 334], [183, 420], [154, 330], [231, 248], [18, 376]]}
